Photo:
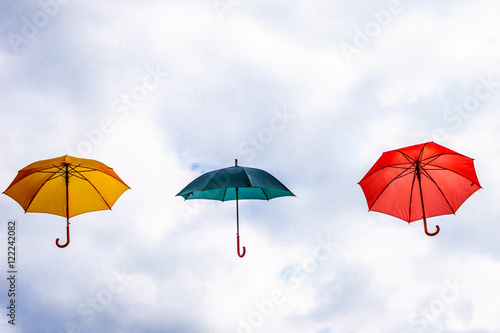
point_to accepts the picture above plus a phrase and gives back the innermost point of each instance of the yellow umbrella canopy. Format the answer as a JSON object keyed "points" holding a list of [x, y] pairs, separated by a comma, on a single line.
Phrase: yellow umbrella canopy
{"points": [[66, 186]]}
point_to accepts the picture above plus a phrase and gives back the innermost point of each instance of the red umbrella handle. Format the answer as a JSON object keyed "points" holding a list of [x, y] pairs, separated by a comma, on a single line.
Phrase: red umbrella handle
{"points": [[241, 255], [427, 231], [67, 237]]}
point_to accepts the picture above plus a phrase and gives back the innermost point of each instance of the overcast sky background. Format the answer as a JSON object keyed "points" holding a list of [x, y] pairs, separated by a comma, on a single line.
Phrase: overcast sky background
{"points": [[313, 92]]}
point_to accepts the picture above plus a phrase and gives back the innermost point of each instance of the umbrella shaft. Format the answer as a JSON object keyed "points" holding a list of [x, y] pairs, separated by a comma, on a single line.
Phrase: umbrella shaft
{"points": [[422, 201], [67, 193], [417, 167], [237, 215]]}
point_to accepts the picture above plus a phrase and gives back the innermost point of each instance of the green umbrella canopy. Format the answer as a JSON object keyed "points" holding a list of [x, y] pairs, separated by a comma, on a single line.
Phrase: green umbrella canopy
{"points": [[234, 183], [221, 185]]}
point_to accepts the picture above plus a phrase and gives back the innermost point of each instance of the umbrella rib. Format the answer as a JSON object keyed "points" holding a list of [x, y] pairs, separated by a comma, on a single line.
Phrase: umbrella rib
{"points": [[426, 174], [209, 179], [430, 159], [48, 168], [409, 169], [85, 178], [224, 195], [264, 192], [397, 177], [395, 166], [59, 174], [442, 154], [63, 171], [421, 152], [435, 157], [78, 174], [411, 160], [399, 166], [450, 170], [38, 190]]}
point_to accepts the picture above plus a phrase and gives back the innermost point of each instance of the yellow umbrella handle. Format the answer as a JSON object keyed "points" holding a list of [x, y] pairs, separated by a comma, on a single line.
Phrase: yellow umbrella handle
{"points": [[67, 237]]}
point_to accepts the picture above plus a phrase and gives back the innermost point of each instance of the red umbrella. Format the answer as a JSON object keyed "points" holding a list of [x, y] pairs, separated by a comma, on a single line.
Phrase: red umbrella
{"points": [[420, 181]]}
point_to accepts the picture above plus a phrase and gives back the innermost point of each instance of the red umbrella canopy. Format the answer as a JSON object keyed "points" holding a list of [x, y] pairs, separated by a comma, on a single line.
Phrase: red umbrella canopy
{"points": [[420, 181]]}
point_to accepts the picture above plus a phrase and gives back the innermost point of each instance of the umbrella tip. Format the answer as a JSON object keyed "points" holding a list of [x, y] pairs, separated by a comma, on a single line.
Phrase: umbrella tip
{"points": [[235, 162]]}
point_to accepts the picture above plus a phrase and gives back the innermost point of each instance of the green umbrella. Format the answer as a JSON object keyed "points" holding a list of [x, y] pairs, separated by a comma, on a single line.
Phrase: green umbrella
{"points": [[235, 183]]}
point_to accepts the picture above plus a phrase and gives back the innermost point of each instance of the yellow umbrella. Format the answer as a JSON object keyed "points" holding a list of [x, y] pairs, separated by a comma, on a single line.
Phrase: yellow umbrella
{"points": [[66, 186]]}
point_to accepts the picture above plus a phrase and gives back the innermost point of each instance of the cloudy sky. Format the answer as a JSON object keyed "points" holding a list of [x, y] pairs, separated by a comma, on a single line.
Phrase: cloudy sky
{"points": [[313, 92]]}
